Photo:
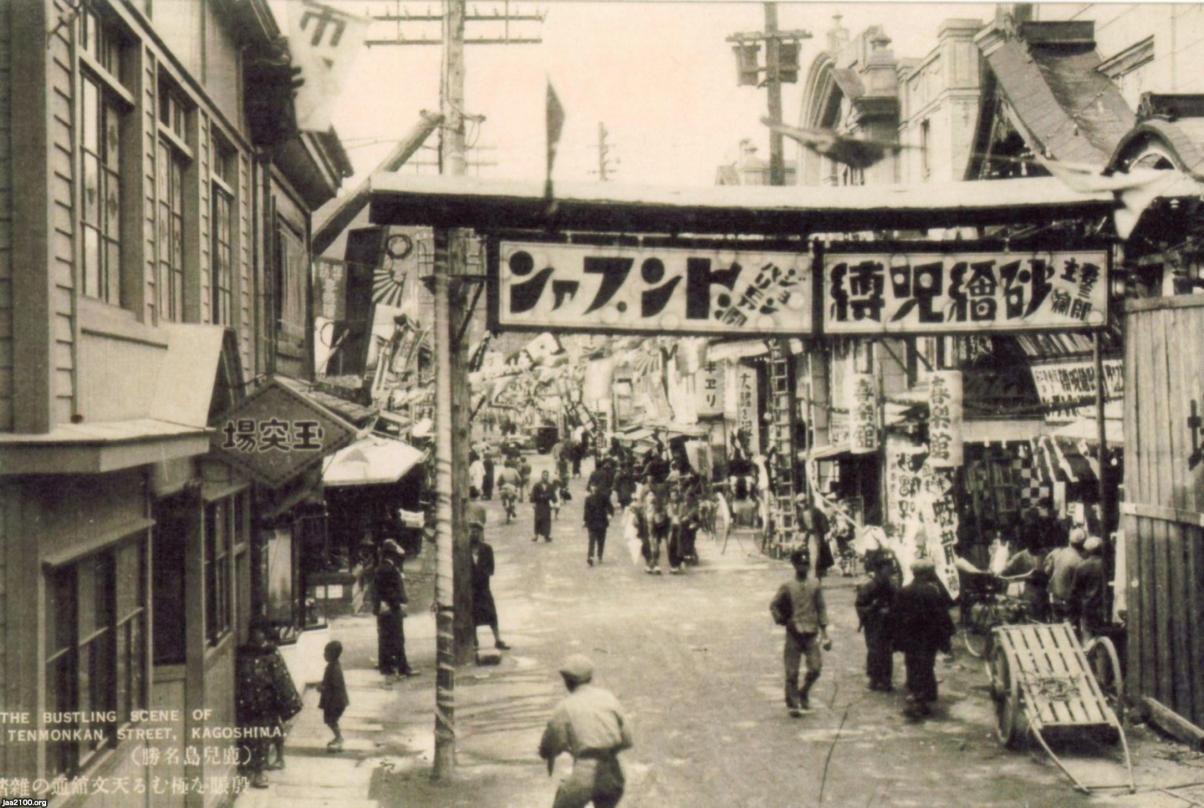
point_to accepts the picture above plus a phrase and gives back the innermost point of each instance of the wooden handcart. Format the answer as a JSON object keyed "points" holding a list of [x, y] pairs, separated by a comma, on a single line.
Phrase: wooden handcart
{"points": [[1043, 682]]}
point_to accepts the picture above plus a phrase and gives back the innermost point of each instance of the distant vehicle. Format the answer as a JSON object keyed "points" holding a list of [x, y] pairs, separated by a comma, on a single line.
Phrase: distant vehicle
{"points": [[545, 438], [516, 444]]}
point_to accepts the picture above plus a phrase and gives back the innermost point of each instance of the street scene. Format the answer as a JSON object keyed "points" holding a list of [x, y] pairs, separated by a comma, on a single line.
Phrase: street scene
{"points": [[751, 404]]}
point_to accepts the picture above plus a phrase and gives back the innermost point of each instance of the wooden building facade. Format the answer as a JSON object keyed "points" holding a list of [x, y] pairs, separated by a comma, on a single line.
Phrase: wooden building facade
{"points": [[142, 293]]}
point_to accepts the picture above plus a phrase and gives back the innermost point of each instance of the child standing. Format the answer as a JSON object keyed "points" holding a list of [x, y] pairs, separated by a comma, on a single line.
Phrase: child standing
{"points": [[334, 694]]}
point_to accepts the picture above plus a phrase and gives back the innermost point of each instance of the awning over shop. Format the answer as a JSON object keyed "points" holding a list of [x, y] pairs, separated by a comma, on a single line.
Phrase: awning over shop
{"points": [[1087, 429], [751, 210], [172, 422], [1059, 459], [370, 460], [833, 452], [1000, 430]]}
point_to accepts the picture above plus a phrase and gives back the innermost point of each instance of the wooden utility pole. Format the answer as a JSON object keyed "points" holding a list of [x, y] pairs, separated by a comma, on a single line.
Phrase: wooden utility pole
{"points": [[453, 558], [781, 64], [773, 84]]}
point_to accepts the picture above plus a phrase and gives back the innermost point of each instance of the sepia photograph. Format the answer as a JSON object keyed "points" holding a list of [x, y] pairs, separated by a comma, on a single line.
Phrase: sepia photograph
{"points": [[656, 403]]}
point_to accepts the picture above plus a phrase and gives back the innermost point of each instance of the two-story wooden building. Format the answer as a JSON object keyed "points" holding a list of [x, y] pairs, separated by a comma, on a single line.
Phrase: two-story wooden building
{"points": [[154, 223]]}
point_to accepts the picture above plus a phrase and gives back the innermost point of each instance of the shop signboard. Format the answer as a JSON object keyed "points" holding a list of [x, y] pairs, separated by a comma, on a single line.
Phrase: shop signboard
{"points": [[710, 289], [861, 393], [1067, 388], [708, 398], [278, 433], [945, 448], [331, 288], [927, 292], [748, 425]]}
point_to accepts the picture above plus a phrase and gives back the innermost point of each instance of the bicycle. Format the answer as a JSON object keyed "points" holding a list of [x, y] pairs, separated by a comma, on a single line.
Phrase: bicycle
{"points": [[986, 606]]}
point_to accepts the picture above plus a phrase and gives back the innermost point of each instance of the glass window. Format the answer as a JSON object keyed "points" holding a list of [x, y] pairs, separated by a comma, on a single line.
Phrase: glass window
{"points": [[95, 649], [171, 169], [218, 529], [100, 155], [222, 280]]}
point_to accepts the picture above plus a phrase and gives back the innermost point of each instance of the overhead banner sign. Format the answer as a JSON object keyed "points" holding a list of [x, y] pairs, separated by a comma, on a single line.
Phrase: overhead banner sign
{"points": [[277, 433], [1069, 387], [945, 439], [947, 293], [711, 290], [709, 390]]}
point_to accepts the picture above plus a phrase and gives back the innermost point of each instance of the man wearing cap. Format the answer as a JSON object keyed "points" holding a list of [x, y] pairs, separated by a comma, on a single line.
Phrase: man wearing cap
{"points": [[922, 627], [588, 724], [875, 604], [390, 611], [1060, 566], [484, 610], [1088, 589], [799, 606]]}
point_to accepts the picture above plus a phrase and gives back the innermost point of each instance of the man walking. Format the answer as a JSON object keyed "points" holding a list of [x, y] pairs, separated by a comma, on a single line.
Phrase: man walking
{"points": [[1088, 589], [390, 613], [588, 724], [1060, 566], [541, 503], [799, 606], [598, 511], [922, 626], [875, 605], [508, 487]]}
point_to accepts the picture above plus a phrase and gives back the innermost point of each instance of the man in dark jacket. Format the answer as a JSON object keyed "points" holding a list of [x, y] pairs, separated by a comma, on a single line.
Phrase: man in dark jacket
{"points": [[1088, 590], [598, 511], [487, 485], [922, 627], [875, 607], [484, 610], [390, 612]]}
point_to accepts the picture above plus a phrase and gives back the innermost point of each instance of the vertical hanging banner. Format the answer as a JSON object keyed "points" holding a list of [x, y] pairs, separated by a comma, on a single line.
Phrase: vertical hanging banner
{"points": [[709, 391], [747, 421], [945, 445], [861, 393]]}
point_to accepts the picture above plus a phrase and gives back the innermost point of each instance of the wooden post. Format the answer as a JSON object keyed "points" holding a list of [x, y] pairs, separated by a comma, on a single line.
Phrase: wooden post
{"points": [[773, 83]]}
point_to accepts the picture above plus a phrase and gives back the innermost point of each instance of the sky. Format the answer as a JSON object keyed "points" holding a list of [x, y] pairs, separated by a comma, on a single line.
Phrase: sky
{"points": [[658, 75]]}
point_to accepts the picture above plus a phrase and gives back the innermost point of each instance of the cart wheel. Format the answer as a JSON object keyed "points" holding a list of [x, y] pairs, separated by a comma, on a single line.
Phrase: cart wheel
{"points": [[977, 640], [1006, 692], [1105, 664]]}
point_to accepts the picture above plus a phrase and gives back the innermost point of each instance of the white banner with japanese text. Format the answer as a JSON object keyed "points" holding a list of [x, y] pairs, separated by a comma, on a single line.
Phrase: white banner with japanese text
{"points": [[709, 390], [945, 445], [1067, 388], [942, 293], [649, 289], [861, 393], [748, 424]]}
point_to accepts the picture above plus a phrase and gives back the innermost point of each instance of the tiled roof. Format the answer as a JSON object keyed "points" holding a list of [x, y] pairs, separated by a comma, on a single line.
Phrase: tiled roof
{"points": [[1065, 105]]}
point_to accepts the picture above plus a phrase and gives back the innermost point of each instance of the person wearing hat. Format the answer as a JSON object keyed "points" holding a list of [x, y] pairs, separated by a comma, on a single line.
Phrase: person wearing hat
{"points": [[1088, 590], [875, 606], [921, 627], [390, 613], [542, 495], [588, 724], [508, 487], [484, 610], [799, 606], [1059, 567], [265, 699]]}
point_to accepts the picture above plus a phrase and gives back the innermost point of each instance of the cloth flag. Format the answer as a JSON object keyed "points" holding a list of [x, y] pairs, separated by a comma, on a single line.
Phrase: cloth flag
{"points": [[555, 125], [324, 43], [1134, 191]]}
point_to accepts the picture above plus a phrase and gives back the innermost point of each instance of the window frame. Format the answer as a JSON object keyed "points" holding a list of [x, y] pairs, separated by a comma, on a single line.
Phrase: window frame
{"points": [[217, 577], [102, 56], [223, 191], [99, 571], [173, 161]]}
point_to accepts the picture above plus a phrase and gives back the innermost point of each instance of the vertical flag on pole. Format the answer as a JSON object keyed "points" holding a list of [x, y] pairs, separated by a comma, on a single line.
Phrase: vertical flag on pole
{"points": [[555, 124], [323, 42]]}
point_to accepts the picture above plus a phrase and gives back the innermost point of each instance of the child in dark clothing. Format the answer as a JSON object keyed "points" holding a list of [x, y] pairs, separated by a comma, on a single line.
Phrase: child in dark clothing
{"points": [[334, 694]]}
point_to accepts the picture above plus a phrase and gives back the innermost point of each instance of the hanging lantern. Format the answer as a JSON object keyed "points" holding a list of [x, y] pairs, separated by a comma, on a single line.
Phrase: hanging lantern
{"points": [[747, 71]]}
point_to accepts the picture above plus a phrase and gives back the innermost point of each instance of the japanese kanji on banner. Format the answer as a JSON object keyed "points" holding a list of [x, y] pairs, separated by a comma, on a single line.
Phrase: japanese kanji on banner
{"points": [[941, 293], [655, 290], [277, 433], [747, 423], [708, 393], [861, 393], [945, 447]]}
